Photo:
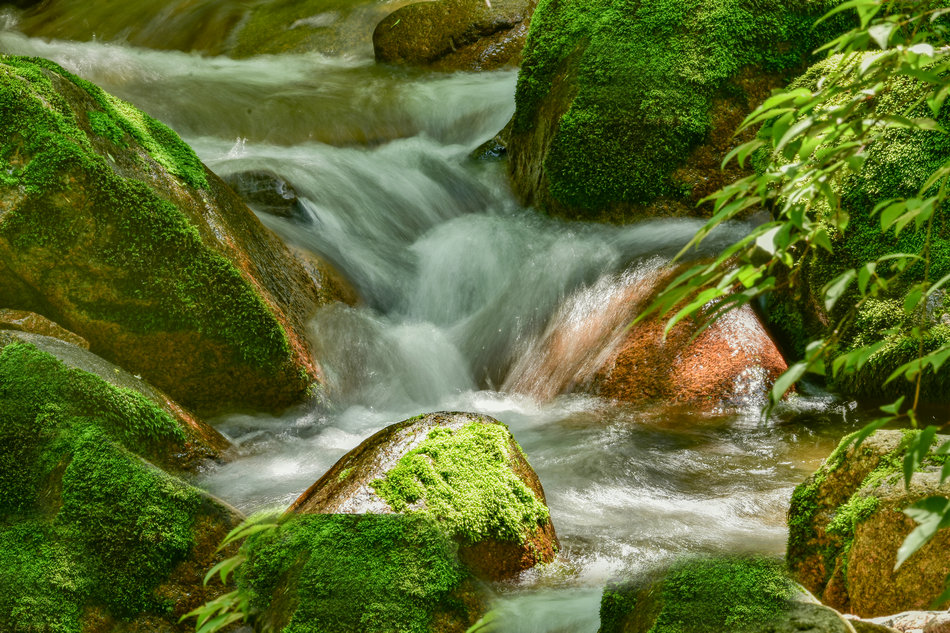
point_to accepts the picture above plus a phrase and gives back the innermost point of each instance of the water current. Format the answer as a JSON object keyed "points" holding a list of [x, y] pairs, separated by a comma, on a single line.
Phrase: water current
{"points": [[458, 283]]}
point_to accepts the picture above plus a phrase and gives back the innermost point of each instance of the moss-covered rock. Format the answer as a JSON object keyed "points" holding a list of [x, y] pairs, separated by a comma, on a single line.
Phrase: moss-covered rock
{"points": [[465, 471], [92, 536], [455, 34], [897, 165], [351, 573], [846, 525], [742, 595], [112, 228], [625, 108]]}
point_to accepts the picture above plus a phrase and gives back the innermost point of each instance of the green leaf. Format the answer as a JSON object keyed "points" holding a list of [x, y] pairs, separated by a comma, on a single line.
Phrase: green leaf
{"points": [[225, 568], [788, 379], [837, 287]]}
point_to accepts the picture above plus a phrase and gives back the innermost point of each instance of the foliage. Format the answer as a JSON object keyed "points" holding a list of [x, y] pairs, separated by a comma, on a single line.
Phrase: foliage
{"points": [[465, 480], [826, 170]]}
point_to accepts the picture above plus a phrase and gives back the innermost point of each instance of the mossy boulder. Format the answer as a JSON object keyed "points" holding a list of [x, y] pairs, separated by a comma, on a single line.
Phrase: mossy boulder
{"points": [[351, 573], [741, 595], [846, 525], [625, 109], [455, 34], [463, 470], [93, 536], [897, 164], [590, 346], [112, 228]]}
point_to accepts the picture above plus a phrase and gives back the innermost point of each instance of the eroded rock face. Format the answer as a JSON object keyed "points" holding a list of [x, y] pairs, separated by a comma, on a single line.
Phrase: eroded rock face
{"points": [[590, 346], [455, 34], [112, 228], [466, 471], [846, 525], [95, 537], [352, 573], [626, 111]]}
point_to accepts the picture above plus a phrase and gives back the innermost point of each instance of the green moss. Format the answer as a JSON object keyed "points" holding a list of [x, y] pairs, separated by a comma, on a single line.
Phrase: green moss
{"points": [[897, 165], [706, 595], [647, 72], [173, 281], [281, 27], [353, 573], [83, 519], [464, 480]]}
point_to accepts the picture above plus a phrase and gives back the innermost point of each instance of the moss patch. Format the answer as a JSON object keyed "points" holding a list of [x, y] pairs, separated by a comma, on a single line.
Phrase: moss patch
{"points": [[164, 278], [464, 480], [645, 82], [83, 519], [730, 594], [353, 573]]}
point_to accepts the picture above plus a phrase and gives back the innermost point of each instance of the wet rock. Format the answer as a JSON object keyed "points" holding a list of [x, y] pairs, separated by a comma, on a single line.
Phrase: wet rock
{"points": [[466, 471], [95, 537], [846, 525], [731, 594], [23, 321], [351, 573], [589, 346], [626, 112], [266, 192], [455, 34], [112, 228]]}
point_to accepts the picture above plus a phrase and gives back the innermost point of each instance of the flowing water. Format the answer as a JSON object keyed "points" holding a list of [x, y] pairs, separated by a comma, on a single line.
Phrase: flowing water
{"points": [[460, 286]]}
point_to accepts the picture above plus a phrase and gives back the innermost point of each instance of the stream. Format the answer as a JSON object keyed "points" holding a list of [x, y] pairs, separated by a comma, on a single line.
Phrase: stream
{"points": [[458, 284]]}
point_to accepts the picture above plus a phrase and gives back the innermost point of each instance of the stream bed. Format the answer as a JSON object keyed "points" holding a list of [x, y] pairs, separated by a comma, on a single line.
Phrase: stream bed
{"points": [[458, 282]]}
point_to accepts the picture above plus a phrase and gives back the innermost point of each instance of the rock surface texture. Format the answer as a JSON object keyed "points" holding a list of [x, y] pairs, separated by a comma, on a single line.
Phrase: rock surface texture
{"points": [[846, 525], [464, 471], [455, 34], [111, 227], [627, 110]]}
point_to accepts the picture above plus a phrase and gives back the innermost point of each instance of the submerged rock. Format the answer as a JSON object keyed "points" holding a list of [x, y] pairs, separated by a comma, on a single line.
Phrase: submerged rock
{"points": [[589, 345], [455, 34], [113, 228], [846, 525], [92, 536], [715, 595], [465, 471], [266, 192], [627, 110], [352, 573]]}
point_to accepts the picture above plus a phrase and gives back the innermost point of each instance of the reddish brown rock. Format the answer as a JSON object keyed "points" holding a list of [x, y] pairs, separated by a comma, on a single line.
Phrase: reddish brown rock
{"points": [[23, 321], [114, 229], [455, 34], [590, 346], [352, 486]]}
